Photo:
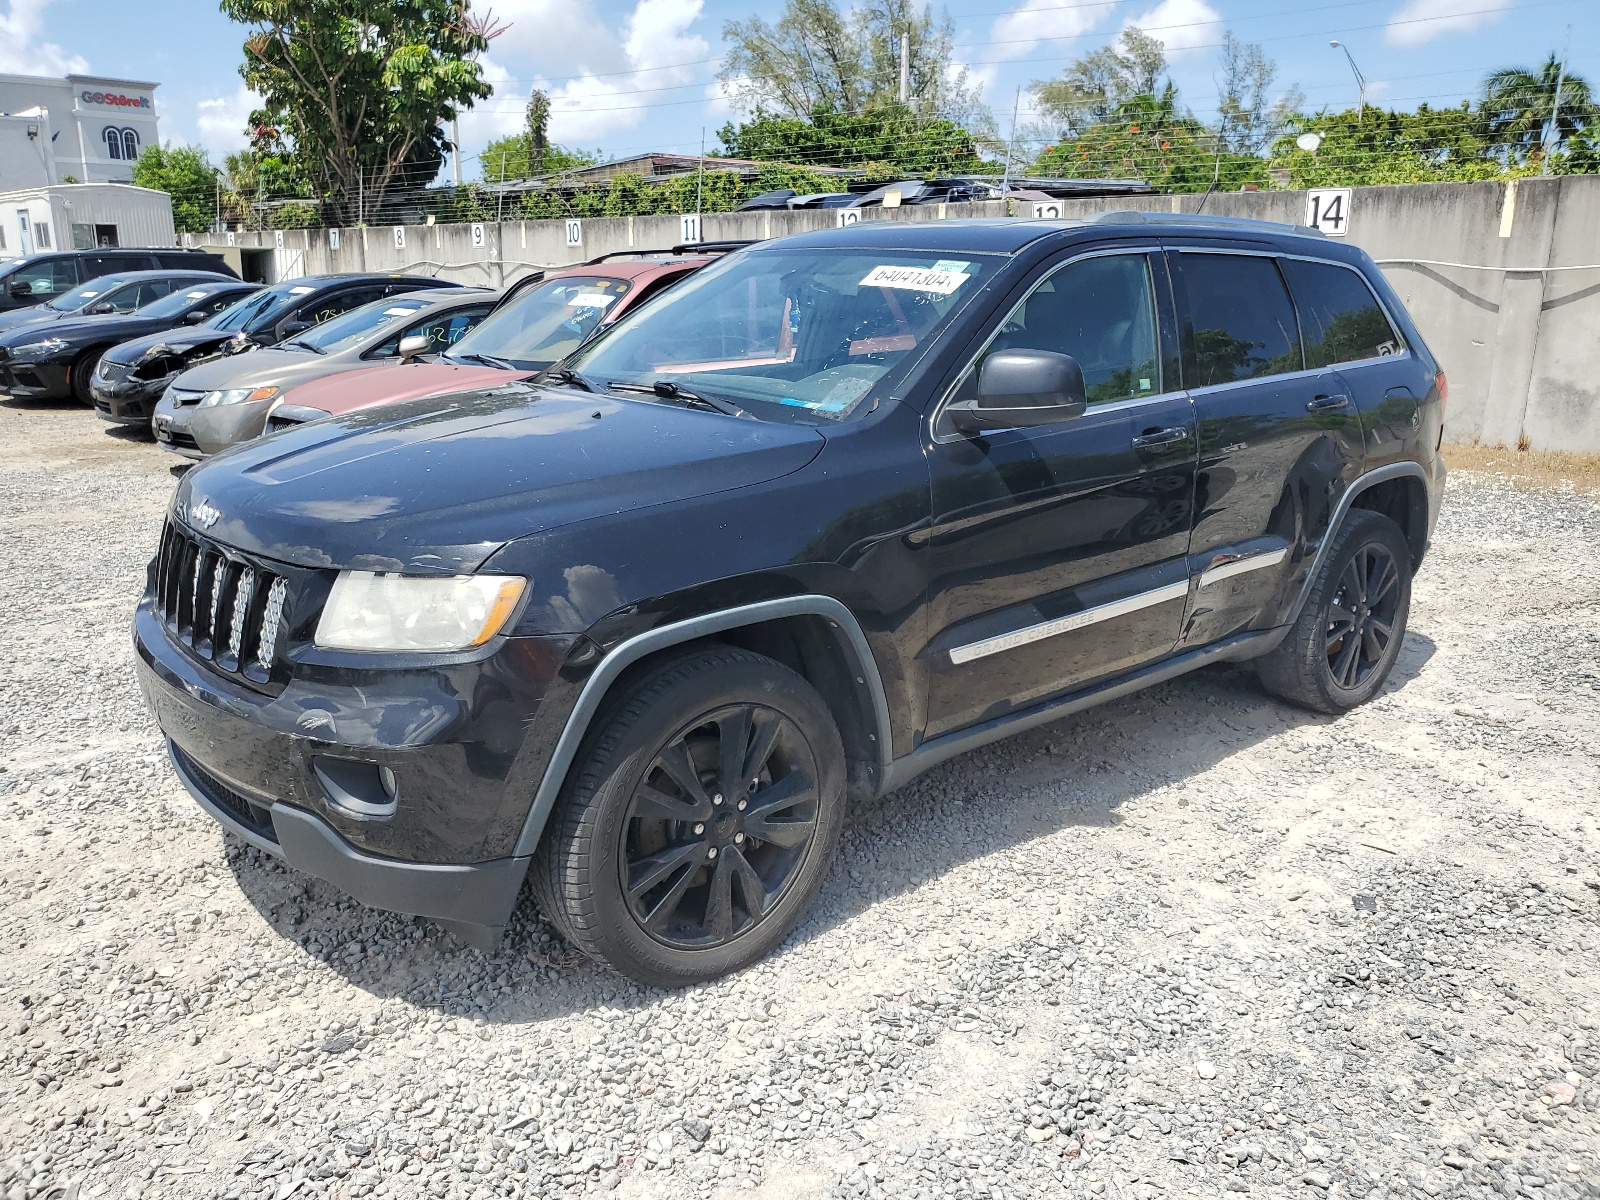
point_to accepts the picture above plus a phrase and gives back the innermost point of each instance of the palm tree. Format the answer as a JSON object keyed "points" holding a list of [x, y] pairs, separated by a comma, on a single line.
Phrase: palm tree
{"points": [[1517, 106]]}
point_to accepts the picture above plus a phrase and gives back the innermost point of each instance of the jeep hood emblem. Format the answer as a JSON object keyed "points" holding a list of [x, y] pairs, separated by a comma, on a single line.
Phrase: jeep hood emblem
{"points": [[203, 513]]}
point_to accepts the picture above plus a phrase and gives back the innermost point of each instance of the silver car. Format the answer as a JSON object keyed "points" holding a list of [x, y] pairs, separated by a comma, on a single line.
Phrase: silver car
{"points": [[226, 401]]}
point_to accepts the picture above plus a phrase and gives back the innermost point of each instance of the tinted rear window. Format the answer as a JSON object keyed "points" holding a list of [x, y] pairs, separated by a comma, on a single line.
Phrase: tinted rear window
{"points": [[1339, 314], [1240, 322]]}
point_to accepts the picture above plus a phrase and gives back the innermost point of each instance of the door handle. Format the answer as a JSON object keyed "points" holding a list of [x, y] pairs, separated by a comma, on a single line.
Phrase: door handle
{"points": [[1325, 403], [1161, 437]]}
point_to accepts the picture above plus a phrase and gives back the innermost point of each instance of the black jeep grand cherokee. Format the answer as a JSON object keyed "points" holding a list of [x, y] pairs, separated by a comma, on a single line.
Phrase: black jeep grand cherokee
{"points": [[833, 510]]}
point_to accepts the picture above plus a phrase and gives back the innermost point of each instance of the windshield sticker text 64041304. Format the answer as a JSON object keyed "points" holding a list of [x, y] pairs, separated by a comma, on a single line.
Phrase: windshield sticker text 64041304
{"points": [[916, 279]]}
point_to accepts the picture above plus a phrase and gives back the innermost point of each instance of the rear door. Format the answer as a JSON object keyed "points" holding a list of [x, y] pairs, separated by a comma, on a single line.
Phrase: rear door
{"points": [[1278, 442], [1058, 553]]}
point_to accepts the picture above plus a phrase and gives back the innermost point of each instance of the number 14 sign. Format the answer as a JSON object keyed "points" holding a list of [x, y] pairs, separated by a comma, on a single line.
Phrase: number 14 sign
{"points": [[1328, 209]]}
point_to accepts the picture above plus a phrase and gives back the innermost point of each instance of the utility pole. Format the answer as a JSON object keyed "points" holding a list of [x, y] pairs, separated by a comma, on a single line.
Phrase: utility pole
{"points": [[905, 65], [1552, 132], [1361, 80], [700, 180], [455, 148], [1011, 146]]}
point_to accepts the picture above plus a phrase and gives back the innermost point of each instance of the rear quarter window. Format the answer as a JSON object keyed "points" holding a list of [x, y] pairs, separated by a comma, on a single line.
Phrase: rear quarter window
{"points": [[1339, 316]]}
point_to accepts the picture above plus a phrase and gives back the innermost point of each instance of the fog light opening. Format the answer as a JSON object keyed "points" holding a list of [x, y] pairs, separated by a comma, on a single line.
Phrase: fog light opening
{"points": [[391, 788]]}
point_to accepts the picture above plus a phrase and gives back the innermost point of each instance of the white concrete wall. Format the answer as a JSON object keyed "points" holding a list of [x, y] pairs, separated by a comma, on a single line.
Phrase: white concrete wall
{"points": [[1518, 341]]}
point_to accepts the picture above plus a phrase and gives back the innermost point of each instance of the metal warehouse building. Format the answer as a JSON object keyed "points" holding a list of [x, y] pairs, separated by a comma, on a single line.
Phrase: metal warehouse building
{"points": [[81, 216]]}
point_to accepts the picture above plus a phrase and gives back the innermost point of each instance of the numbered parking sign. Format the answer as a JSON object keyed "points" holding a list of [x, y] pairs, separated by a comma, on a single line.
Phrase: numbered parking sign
{"points": [[333, 239], [477, 235], [1328, 209], [574, 233], [277, 238], [690, 227], [230, 237], [848, 216], [399, 237], [1047, 210]]}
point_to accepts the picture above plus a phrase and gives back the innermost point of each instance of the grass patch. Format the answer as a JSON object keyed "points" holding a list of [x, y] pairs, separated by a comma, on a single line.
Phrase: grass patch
{"points": [[1551, 469]]}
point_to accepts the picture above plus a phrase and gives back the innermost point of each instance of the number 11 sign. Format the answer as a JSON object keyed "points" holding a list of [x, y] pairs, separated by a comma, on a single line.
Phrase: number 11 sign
{"points": [[1328, 209]]}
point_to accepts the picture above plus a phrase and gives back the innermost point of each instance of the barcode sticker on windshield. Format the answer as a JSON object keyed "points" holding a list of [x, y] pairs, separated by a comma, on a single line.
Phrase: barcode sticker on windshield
{"points": [[590, 300], [916, 279]]}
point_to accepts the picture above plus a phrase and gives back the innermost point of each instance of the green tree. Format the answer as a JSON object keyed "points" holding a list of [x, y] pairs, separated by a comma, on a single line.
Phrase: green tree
{"points": [[1431, 145], [1095, 84], [506, 158], [891, 138], [1518, 104], [819, 56], [361, 89], [1151, 138], [1246, 121], [185, 173]]}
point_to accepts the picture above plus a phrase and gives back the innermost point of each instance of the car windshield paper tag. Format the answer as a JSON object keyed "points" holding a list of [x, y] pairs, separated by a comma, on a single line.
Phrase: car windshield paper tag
{"points": [[193, 295], [300, 291], [916, 279], [590, 300], [398, 312]]}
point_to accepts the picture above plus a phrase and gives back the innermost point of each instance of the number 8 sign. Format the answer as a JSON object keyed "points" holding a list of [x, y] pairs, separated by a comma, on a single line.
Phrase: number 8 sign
{"points": [[1328, 209]]}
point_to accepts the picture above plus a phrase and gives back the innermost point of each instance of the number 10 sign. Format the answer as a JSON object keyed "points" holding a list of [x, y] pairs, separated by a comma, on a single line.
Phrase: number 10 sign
{"points": [[1328, 209]]}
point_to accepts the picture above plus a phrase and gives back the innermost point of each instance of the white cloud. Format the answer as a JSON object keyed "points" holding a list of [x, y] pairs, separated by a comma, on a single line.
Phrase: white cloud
{"points": [[220, 122], [1181, 26], [1420, 21], [599, 83], [1018, 32], [21, 53]]}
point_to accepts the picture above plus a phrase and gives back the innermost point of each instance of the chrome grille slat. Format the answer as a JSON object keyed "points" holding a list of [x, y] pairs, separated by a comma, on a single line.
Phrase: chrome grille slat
{"points": [[226, 609]]}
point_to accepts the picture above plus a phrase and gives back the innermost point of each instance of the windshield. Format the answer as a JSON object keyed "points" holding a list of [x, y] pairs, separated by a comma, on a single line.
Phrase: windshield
{"points": [[259, 310], [544, 324], [174, 304], [787, 334], [356, 327], [82, 295]]}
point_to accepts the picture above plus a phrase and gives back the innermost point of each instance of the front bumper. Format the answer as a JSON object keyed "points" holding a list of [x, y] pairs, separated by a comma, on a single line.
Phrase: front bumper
{"points": [[197, 432], [257, 763], [25, 380], [122, 400]]}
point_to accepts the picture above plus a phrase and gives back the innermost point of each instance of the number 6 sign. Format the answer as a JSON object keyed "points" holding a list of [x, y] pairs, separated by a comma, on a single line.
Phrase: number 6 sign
{"points": [[1328, 209]]}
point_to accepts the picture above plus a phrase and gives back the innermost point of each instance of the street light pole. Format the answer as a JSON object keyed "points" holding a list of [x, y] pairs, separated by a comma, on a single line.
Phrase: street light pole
{"points": [[1361, 80]]}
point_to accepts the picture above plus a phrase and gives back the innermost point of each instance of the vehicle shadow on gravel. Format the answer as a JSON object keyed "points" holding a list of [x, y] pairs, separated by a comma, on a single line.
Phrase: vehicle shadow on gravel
{"points": [[1077, 772]]}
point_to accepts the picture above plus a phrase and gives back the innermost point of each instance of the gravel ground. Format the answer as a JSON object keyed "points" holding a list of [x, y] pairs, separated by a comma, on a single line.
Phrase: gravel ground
{"points": [[1191, 944]]}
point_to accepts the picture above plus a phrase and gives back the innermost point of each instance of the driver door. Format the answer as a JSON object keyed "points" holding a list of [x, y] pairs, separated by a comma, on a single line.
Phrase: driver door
{"points": [[1058, 553]]}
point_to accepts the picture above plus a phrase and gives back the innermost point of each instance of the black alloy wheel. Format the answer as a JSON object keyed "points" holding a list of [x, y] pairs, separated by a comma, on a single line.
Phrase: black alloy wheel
{"points": [[1361, 615], [697, 824], [1348, 635], [82, 372], [719, 825]]}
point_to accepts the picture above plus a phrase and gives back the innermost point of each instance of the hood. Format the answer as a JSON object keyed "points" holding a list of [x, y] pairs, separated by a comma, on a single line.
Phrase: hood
{"points": [[431, 486], [18, 317], [118, 327], [262, 368], [411, 381]]}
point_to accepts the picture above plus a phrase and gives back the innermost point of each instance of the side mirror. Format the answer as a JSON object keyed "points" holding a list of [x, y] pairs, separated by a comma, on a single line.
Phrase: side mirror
{"points": [[293, 327], [20, 290], [197, 317], [104, 307], [413, 347], [1022, 388]]}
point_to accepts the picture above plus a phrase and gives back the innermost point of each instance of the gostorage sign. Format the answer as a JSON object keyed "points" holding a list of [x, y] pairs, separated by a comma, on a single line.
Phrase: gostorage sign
{"points": [[115, 99]]}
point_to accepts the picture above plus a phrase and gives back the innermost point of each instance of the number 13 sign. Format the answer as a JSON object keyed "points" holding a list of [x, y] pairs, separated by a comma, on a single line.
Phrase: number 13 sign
{"points": [[1328, 209]]}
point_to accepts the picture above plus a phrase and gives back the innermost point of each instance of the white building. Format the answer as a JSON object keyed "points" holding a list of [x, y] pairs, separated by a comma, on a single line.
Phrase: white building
{"points": [[81, 216], [85, 126]]}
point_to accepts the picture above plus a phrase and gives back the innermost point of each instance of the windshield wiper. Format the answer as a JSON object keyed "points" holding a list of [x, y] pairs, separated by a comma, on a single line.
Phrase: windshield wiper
{"points": [[487, 360], [297, 344], [575, 379], [668, 390]]}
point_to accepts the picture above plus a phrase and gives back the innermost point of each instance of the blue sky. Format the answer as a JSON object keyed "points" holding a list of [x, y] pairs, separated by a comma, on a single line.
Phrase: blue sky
{"points": [[634, 75]]}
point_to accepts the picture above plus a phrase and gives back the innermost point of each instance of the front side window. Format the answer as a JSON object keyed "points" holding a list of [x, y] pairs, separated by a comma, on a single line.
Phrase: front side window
{"points": [[45, 278], [546, 323], [353, 328], [150, 290], [793, 335], [1240, 324], [326, 308], [1341, 317], [442, 331], [1099, 310]]}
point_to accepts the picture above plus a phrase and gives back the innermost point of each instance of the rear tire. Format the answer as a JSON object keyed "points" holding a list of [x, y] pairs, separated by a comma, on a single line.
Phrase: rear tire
{"points": [[698, 821], [1343, 645], [82, 372]]}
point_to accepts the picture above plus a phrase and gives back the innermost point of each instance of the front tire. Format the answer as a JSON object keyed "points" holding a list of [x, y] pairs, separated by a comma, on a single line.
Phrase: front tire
{"points": [[699, 820], [1344, 643], [82, 372]]}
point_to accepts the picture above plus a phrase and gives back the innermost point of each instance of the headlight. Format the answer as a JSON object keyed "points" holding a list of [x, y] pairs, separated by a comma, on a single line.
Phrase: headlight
{"points": [[237, 396], [33, 351], [367, 611]]}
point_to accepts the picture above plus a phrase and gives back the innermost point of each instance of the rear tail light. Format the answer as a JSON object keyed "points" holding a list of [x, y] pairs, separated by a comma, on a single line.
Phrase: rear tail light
{"points": [[1443, 384]]}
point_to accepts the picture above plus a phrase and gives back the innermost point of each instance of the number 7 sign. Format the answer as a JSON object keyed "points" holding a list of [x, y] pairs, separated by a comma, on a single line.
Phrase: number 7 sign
{"points": [[1328, 209]]}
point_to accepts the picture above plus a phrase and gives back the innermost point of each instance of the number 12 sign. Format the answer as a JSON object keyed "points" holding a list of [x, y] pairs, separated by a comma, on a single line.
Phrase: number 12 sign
{"points": [[1328, 209]]}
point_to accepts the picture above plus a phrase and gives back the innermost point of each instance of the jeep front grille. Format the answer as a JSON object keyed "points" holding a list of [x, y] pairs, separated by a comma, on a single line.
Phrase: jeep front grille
{"points": [[227, 610]]}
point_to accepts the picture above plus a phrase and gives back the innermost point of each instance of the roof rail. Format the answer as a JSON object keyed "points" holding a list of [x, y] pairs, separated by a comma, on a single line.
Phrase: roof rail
{"points": [[724, 246], [1243, 224]]}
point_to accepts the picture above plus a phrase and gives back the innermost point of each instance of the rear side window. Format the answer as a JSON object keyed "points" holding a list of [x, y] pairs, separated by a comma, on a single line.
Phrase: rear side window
{"points": [[1339, 314], [1240, 324]]}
